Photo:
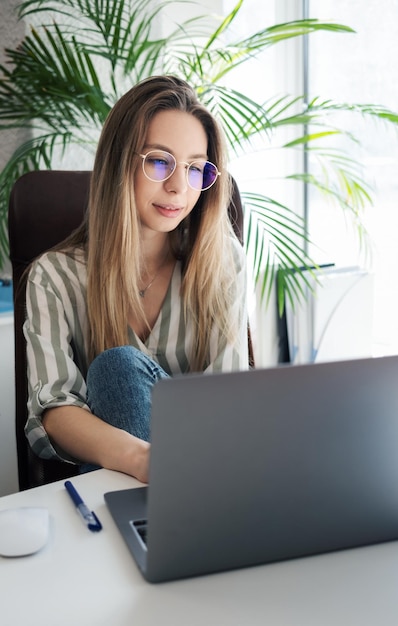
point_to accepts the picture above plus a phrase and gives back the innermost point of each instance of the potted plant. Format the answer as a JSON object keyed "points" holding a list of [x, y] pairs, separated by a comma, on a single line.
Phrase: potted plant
{"points": [[80, 56]]}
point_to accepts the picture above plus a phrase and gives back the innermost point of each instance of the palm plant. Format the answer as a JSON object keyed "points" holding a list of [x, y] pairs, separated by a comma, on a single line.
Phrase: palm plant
{"points": [[66, 74]]}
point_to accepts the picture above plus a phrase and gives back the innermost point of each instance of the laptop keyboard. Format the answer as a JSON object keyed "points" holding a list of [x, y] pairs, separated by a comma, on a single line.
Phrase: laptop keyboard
{"points": [[140, 526]]}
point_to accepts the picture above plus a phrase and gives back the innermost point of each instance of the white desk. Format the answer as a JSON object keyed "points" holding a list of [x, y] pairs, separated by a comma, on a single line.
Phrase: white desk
{"points": [[89, 579]]}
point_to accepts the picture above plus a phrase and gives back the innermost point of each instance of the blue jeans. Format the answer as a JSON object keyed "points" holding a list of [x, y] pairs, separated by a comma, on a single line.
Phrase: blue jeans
{"points": [[119, 386]]}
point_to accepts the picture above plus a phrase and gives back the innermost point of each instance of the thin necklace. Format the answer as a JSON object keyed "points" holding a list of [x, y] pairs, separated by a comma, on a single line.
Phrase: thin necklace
{"points": [[142, 292]]}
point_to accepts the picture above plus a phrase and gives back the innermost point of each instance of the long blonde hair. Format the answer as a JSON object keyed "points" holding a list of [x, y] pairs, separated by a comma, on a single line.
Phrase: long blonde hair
{"points": [[203, 241]]}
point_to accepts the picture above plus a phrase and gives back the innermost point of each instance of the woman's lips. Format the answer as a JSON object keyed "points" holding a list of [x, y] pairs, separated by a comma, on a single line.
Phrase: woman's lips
{"points": [[168, 210]]}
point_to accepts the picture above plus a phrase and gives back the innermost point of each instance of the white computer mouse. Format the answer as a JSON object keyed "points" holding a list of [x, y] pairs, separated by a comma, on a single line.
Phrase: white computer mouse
{"points": [[23, 530]]}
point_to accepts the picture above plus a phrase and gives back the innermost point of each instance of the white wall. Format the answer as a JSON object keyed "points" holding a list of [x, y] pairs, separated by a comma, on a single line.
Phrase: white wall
{"points": [[11, 31], [8, 451]]}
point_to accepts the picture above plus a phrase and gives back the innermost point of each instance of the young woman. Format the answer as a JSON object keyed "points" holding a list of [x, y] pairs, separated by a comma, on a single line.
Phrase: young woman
{"points": [[153, 284]]}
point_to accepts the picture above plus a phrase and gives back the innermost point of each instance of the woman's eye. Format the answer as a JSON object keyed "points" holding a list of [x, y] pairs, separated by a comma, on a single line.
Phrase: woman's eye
{"points": [[158, 161], [196, 168]]}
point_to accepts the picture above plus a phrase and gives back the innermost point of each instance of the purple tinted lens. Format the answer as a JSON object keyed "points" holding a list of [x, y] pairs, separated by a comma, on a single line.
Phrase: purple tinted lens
{"points": [[209, 175], [159, 165]]}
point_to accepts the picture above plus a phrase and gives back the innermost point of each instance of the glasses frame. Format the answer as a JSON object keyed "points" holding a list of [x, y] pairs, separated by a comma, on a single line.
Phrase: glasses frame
{"points": [[155, 180]]}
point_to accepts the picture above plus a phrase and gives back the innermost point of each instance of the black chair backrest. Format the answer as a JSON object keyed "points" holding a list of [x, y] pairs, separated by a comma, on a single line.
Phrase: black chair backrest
{"points": [[44, 208]]}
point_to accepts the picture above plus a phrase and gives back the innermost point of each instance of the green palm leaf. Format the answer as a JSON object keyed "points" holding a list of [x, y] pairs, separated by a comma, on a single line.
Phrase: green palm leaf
{"points": [[33, 154], [62, 80], [276, 240]]}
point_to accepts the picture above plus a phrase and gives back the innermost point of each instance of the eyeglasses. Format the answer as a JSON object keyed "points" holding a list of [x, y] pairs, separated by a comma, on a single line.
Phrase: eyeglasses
{"points": [[159, 165]]}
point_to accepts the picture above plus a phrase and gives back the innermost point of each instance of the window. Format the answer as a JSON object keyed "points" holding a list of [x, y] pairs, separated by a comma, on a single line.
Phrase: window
{"points": [[362, 68]]}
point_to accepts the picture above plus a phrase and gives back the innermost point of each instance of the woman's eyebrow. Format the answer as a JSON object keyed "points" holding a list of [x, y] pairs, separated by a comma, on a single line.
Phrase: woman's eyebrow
{"points": [[158, 146]]}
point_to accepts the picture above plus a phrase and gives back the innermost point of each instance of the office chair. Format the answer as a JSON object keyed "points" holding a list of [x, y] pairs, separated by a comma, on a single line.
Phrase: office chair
{"points": [[44, 208]]}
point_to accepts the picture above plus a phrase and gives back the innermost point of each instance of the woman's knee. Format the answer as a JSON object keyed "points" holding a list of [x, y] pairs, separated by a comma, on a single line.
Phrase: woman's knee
{"points": [[124, 360], [113, 361], [114, 376], [119, 387]]}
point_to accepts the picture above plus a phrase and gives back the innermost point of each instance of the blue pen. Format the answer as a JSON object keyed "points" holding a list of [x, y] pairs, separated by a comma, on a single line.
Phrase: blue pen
{"points": [[89, 517]]}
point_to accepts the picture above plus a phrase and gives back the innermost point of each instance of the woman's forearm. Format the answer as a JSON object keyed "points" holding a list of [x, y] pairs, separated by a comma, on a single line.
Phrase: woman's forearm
{"points": [[91, 440]]}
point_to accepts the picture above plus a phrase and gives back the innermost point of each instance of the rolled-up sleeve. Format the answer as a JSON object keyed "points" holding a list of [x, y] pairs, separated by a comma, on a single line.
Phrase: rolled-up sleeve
{"points": [[55, 333]]}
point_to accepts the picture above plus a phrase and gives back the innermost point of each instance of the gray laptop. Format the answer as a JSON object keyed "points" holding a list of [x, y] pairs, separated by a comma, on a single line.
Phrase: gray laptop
{"points": [[266, 465]]}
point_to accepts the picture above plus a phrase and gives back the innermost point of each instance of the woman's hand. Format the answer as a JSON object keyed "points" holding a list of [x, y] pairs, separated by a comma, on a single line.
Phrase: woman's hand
{"points": [[140, 460]]}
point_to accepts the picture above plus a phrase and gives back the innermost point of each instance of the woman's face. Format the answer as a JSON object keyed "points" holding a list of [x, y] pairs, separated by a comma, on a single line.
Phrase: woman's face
{"points": [[163, 205]]}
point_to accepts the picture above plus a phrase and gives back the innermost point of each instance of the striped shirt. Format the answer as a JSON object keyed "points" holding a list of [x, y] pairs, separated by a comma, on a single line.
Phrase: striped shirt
{"points": [[56, 332]]}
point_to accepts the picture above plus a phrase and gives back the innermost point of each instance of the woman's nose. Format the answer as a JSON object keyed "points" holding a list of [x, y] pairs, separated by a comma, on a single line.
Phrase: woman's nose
{"points": [[178, 182]]}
